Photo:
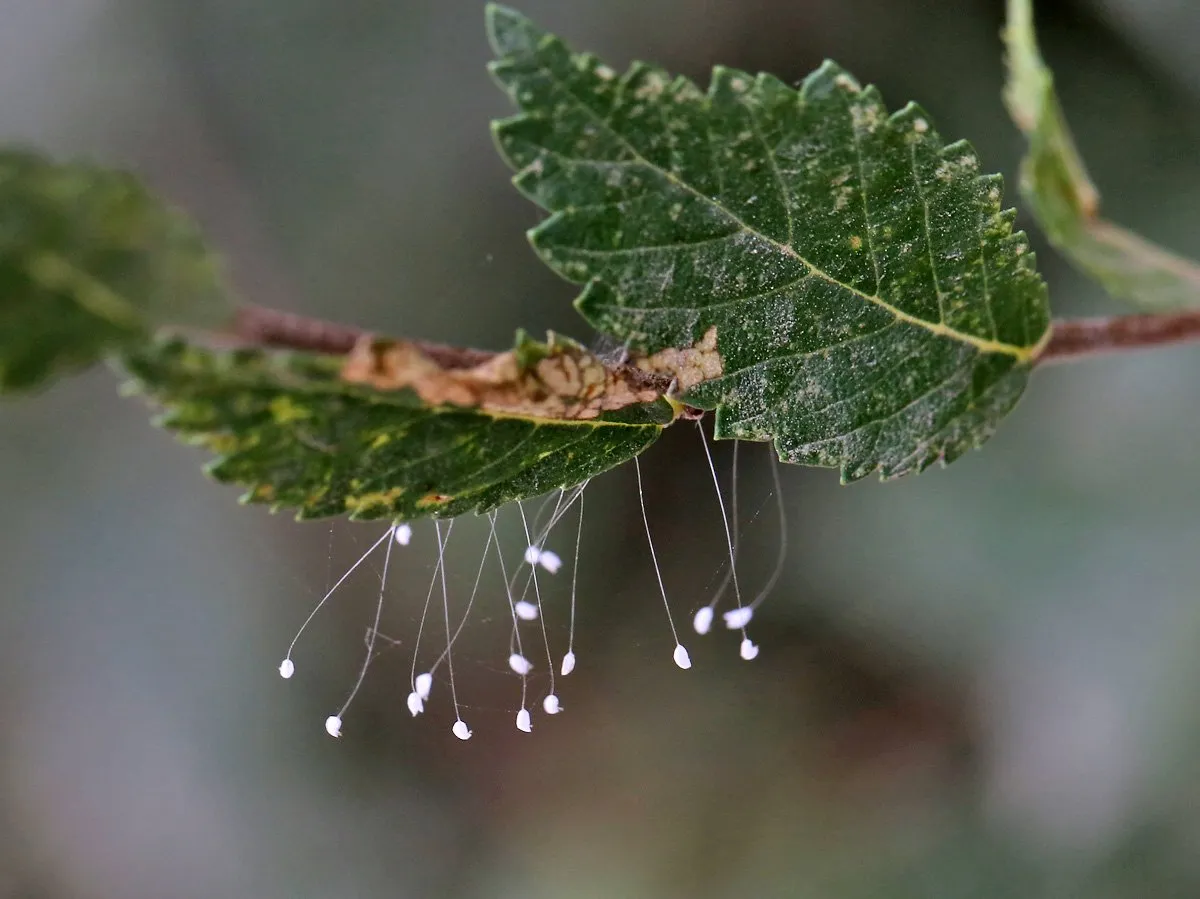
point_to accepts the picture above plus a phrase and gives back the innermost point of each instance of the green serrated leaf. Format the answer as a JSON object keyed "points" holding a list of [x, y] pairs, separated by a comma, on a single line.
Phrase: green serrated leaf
{"points": [[871, 305], [298, 434], [90, 262], [1065, 202]]}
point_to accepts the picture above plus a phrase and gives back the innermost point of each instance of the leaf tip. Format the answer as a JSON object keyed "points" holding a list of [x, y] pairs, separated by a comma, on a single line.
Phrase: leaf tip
{"points": [[511, 33], [1029, 82], [830, 74], [852, 472]]}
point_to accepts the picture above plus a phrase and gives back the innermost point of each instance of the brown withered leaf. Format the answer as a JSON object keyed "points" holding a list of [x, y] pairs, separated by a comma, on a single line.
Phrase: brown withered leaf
{"points": [[557, 380]]}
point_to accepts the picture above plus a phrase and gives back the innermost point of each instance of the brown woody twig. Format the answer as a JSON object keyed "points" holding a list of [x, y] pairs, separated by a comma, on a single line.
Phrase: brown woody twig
{"points": [[1072, 338]]}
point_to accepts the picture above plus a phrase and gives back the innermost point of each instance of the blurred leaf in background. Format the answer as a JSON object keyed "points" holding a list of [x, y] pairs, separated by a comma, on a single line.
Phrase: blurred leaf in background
{"points": [[89, 264], [1056, 185]]}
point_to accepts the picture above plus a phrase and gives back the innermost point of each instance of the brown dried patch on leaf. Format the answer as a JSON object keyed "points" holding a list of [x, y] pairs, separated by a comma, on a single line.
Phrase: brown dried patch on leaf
{"points": [[688, 366], [565, 383]]}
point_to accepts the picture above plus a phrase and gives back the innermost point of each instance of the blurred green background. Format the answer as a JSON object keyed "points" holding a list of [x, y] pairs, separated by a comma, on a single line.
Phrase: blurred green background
{"points": [[978, 682]]}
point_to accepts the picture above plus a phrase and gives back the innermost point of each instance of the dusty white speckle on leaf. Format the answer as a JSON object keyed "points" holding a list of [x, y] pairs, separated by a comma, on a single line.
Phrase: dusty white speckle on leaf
{"points": [[652, 87], [843, 175], [865, 116]]}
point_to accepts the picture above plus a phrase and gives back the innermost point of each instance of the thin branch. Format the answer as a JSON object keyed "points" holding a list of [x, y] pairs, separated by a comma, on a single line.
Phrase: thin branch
{"points": [[1073, 338], [260, 326]]}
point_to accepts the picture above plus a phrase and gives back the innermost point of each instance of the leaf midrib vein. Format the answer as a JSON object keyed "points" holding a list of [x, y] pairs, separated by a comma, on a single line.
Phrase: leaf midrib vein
{"points": [[1022, 354]]}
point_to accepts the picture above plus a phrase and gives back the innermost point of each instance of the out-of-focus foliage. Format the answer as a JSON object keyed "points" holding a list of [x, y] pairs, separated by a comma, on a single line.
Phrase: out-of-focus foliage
{"points": [[1063, 198], [90, 262]]}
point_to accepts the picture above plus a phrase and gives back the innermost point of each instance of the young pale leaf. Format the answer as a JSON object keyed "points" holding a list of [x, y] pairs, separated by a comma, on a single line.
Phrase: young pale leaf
{"points": [[853, 284], [89, 263], [312, 433], [1064, 200]]}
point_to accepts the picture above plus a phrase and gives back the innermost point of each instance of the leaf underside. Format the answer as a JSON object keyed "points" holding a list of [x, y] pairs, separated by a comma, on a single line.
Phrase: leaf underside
{"points": [[286, 426], [90, 262], [873, 308], [1055, 182]]}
